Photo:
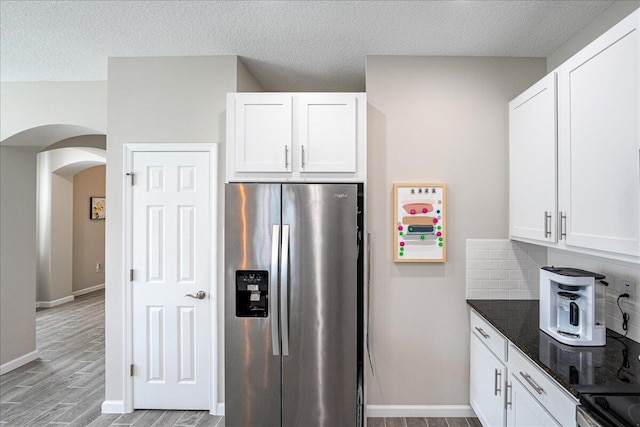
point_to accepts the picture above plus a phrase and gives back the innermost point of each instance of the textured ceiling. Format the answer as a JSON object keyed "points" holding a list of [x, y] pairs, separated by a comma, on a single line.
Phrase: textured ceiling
{"points": [[287, 45]]}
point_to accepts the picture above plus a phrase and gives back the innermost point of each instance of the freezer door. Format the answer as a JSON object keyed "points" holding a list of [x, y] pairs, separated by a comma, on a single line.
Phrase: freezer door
{"points": [[252, 350], [319, 305]]}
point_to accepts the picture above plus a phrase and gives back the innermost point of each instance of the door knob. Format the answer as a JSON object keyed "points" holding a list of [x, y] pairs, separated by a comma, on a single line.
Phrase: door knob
{"points": [[198, 295]]}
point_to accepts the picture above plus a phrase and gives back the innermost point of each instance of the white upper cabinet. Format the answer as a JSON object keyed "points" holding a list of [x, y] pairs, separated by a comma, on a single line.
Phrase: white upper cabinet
{"points": [[596, 175], [263, 133], [532, 162], [296, 137], [327, 132], [599, 142]]}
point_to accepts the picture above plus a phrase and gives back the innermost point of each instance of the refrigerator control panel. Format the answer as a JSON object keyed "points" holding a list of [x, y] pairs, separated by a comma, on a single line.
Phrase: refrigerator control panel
{"points": [[252, 293]]}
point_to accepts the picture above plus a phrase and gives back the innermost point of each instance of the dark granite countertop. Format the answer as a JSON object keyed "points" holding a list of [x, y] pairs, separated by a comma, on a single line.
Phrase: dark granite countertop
{"points": [[578, 369]]}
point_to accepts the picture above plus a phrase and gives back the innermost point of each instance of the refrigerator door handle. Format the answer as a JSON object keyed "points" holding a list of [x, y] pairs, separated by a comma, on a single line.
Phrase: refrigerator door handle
{"points": [[273, 291], [284, 287]]}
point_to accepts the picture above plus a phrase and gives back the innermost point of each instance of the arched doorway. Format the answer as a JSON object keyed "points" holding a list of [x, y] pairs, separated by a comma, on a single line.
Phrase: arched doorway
{"points": [[18, 220]]}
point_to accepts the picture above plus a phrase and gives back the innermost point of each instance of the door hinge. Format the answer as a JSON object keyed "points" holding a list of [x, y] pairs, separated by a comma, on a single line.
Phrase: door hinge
{"points": [[131, 275], [130, 175], [131, 370]]}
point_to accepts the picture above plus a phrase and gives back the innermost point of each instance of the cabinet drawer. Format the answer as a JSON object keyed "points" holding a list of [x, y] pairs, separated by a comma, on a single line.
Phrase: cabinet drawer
{"points": [[489, 335], [552, 397]]}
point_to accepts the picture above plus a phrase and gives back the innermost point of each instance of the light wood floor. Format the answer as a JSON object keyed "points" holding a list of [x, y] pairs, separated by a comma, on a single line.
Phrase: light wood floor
{"points": [[65, 387]]}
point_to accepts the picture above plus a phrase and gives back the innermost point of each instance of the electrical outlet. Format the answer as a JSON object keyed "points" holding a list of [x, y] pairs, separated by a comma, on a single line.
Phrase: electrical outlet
{"points": [[626, 287], [98, 268]]}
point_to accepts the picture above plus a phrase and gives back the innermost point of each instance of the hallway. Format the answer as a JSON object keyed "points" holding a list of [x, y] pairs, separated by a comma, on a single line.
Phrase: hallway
{"points": [[66, 385]]}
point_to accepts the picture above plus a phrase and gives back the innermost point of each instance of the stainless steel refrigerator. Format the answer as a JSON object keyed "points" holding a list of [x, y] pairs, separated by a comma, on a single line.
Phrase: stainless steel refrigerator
{"points": [[293, 305]]}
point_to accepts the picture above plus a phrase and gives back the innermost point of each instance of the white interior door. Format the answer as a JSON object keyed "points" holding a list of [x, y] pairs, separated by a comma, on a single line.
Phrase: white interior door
{"points": [[171, 258]]}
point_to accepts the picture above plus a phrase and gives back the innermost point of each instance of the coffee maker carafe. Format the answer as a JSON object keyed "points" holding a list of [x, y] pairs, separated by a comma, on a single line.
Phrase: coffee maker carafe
{"points": [[572, 306]]}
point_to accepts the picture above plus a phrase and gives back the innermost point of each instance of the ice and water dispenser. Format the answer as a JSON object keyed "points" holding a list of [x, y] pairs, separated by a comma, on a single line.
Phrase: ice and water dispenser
{"points": [[252, 293], [572, 306]]}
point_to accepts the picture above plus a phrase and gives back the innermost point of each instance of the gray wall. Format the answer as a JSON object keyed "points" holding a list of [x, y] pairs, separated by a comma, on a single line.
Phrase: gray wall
{"points": [[441, 120], [168, 99], [611, 16], [88, 235], [18, 252]]}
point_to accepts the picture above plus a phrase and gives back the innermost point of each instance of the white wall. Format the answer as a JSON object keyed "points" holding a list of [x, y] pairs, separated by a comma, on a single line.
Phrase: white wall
{"points": [[27, 105], [17, 256], [168, 99], [611, 16], [434, 119]]}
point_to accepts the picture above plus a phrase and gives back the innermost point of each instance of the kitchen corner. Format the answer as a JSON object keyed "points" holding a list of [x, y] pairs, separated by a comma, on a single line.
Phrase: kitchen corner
{"points": [[519, 375]]}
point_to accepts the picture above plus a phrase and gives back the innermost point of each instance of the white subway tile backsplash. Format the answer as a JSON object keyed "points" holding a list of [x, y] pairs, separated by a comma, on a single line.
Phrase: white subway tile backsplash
{"points": [[509, 265], [478, 254], [499, 274], [477, 274], [518, 274], [506, 244], [498, 294], [509, 284], [478, 294], [499, 254], [505, 269]]}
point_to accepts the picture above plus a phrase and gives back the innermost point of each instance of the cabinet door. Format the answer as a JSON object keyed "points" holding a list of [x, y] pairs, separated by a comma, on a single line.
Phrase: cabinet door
{"points": [[532, 162], [599, 142], [263, 133], [327, 132], [523, 410], [487, 380]]}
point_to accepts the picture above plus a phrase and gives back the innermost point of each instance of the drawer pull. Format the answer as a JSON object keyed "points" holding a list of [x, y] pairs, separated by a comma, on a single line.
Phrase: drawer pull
{"points": [[496, 381], [507, 396], [483, 333], [532, 383]]}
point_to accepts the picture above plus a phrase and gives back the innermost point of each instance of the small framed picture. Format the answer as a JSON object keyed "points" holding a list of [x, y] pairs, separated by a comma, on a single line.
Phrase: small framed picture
{"points": [[419, 222], [98, 208]]}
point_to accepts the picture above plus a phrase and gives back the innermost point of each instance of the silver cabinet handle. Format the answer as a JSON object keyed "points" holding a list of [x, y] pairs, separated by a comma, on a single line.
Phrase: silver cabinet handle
{"points": [[286, 157], [284, 290], [483, 333], [496, 381], [563, 225], [532, 383], [547, 224], [273, 289], [302, 156], [507, 395], [198, 295]]}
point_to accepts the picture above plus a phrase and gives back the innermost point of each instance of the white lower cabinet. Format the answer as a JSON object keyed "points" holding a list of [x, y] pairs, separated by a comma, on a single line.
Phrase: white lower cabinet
{"points": [[507, 388], [486, 384], [522, 409]]}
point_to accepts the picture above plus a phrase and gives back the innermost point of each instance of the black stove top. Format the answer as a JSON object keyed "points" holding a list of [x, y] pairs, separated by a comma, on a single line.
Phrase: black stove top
{"points": [[615, 410]]}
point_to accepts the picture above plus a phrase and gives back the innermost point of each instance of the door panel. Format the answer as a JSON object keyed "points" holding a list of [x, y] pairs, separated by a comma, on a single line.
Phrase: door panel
{"points": [[252, 371], [327, 132], [532, 162], [319, 374], [263, 133], [171, 255], [600, 143]]}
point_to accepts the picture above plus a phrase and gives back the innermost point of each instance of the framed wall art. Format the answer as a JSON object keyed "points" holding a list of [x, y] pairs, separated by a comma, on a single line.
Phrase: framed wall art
{"points": [[97, 208], [419, 223]]}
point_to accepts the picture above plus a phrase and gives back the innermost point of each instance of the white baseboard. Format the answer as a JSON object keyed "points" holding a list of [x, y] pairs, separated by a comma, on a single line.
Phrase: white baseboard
{"points": [[88, 290], [435, 411], [17, 362], [219, 409], [49, 304], [113, 407]]}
